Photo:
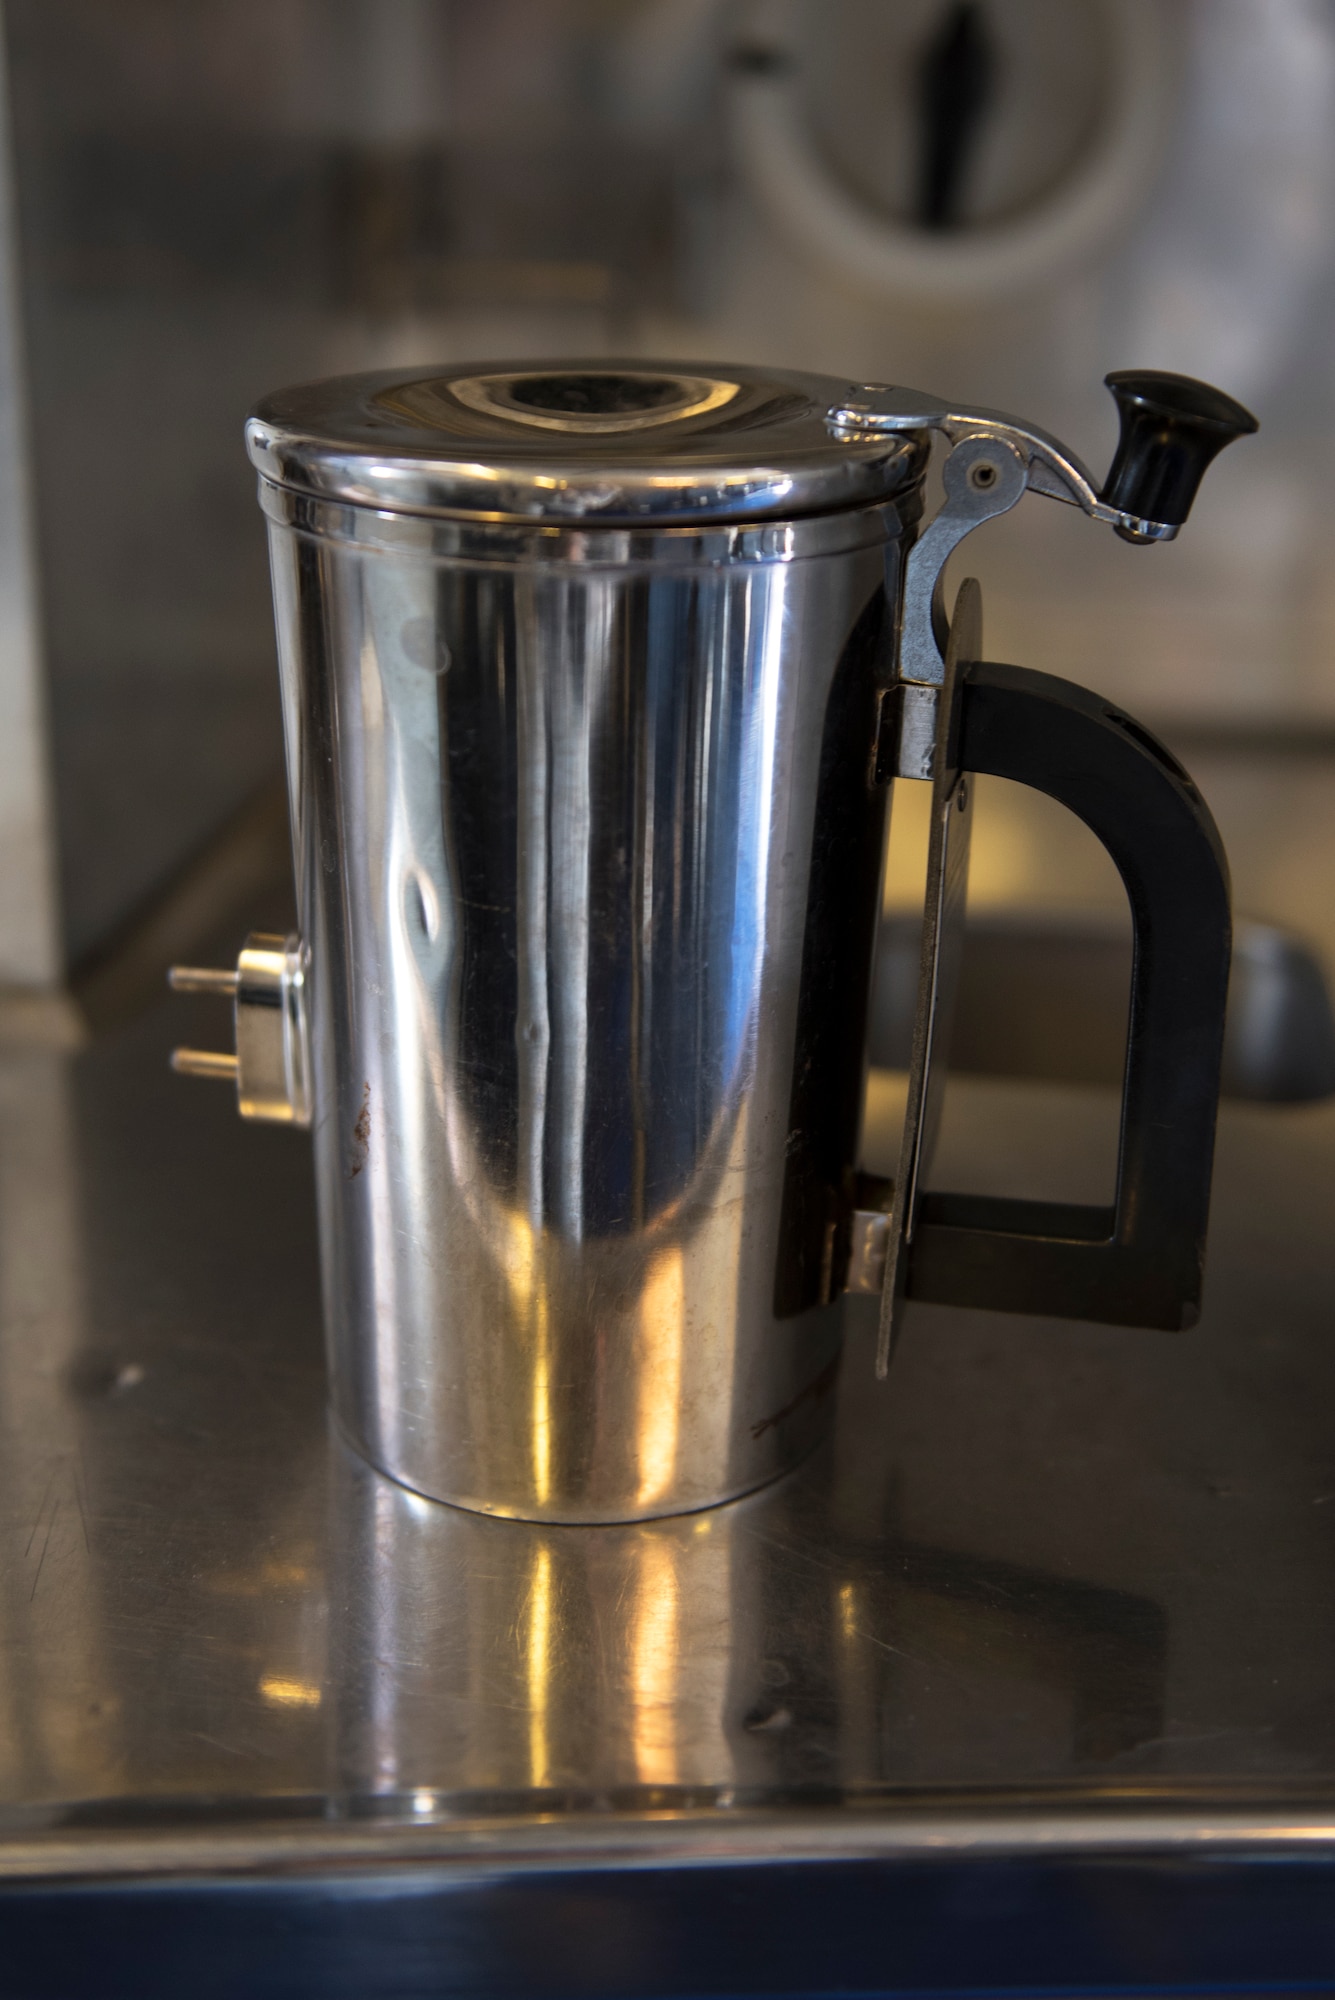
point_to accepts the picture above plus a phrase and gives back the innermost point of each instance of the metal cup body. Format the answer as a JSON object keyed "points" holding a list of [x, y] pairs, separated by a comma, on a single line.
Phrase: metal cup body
{"points": [[588, 843]]}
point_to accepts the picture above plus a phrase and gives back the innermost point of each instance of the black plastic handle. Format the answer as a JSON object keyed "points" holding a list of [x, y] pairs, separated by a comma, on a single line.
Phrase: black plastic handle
{"points": [[1172, 428], [1140, 1262]]}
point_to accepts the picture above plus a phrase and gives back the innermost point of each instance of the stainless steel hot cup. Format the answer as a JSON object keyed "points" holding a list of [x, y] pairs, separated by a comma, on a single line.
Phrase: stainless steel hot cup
{"points": [[594, 682]]}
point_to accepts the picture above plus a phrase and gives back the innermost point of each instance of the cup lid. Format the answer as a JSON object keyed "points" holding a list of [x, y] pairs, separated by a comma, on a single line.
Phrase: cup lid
{"points": [[612, 443]]}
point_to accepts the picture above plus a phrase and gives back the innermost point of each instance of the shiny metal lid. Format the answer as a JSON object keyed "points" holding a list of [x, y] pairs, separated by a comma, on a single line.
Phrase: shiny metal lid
{"points": [[599, 441]]}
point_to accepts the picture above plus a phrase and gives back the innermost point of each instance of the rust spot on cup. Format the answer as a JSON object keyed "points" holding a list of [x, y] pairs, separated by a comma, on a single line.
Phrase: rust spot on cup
{"points": [[361, 1136]]}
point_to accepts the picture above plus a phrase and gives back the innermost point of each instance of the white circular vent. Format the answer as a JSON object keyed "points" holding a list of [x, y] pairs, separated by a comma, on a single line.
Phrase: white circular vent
{"points": [[952, 150]]}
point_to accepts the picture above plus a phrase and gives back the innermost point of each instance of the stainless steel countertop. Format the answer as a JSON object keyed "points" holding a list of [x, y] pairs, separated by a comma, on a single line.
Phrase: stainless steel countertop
{"points": [[1049, 1584]]}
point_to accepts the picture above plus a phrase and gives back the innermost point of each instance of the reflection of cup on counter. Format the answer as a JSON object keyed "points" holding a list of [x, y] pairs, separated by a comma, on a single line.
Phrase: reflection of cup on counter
{"points": [[785, 1645], [476, 1656]]}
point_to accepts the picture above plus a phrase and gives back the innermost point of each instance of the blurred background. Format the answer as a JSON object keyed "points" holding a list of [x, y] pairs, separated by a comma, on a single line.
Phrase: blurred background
{"points": [[996, 201]]}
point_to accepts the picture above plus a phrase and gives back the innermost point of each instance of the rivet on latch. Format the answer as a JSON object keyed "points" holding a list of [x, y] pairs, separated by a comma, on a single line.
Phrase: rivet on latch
{"points": [[906, 733], [866, 1253], [869, 1236]]}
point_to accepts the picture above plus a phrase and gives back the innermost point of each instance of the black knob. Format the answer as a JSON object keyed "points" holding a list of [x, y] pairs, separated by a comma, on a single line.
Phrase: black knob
{"points": [[1172, 426]]}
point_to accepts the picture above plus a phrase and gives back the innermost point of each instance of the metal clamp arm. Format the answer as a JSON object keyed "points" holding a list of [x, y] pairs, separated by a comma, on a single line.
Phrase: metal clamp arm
{"points": [[1172, 427], [1049, 467]]}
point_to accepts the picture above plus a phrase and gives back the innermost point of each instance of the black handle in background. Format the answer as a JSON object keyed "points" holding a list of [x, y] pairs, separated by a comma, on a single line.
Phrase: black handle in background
{"points": [[955, 83], [1138, 1263], [1173, 427]]}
